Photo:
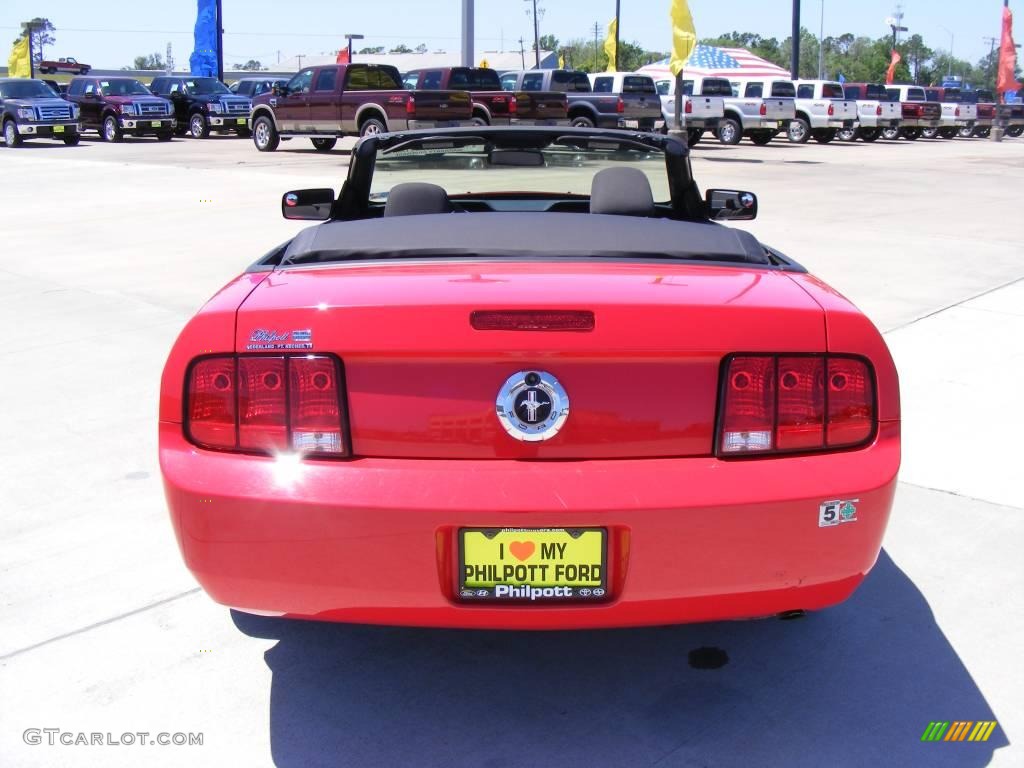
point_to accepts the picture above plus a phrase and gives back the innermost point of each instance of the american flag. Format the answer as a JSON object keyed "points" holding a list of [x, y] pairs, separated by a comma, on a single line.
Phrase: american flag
{"points": [[709, 61]]}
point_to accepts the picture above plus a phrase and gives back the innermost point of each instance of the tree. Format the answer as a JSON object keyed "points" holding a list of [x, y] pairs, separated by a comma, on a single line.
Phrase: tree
{"points": [[42, 35], [375, 49], [421, 48], [153, 61], [252, 65], [548, 43], [401, 48]]}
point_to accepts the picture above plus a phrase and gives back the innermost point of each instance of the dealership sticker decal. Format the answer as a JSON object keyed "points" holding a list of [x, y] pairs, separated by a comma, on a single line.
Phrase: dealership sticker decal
{"points": [[836, 512], [959, 730], [262, 339]]}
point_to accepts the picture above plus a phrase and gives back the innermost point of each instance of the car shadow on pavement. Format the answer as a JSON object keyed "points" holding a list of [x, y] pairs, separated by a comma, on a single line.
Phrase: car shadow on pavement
{"points": [[854, 685]]}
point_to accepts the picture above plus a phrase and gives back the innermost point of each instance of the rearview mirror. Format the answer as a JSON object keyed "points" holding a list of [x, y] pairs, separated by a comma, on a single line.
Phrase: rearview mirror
{"points": [[308, 204], [731, 205]]}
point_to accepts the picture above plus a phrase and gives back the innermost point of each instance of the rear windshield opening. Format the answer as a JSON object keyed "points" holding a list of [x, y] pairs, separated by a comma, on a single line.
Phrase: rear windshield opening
{"points": [[716, 88], [832, 91], [638, 84], [784, 90]]}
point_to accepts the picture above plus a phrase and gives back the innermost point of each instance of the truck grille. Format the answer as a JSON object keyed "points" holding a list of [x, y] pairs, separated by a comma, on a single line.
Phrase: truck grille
{"points": [[152, 108], [236, 107], [54, 112]]}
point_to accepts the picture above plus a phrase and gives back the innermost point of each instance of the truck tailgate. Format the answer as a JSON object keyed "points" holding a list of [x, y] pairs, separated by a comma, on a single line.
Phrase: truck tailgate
{"points": [[779, 109], [541, 105], [443, 105], [641, 106]]}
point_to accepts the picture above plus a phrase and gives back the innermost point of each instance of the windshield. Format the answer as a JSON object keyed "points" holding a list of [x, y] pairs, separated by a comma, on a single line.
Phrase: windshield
{"points": [[564, 166], [205, 86], [123, 88], [26, 89]]}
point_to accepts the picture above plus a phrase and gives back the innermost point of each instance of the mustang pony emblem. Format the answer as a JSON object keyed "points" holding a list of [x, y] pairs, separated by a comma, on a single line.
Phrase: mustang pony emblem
{"points": [[532, 406]]}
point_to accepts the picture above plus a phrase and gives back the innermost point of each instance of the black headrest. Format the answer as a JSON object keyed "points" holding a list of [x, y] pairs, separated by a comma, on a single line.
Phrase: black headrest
{"points": [[414, 198], [621, 191]]}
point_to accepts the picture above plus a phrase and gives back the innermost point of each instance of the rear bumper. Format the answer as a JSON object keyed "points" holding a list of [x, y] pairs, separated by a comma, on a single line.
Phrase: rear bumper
{"points": [[374, 540], [527, 121], [415, 125], [914, 122], [751, 124], [878, 122]]}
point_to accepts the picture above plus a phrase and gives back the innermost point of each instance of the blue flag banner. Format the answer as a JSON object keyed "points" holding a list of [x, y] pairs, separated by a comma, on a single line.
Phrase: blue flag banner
{"points": [[842, 79], [203, 61]]}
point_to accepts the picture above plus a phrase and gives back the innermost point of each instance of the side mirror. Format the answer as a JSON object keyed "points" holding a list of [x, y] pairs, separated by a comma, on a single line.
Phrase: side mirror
{"points": [[731, 205], [308, 204]]}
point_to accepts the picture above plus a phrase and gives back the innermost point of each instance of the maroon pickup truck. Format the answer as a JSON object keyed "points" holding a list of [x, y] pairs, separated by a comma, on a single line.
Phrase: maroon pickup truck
{"points": [[492, 105], [324, 103]]}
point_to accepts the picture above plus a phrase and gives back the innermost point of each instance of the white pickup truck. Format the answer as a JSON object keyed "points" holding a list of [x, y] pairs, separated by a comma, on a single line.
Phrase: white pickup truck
{"points": [[955, 114], [701, 112], [759, 108], [877, 111], [821, 111]]}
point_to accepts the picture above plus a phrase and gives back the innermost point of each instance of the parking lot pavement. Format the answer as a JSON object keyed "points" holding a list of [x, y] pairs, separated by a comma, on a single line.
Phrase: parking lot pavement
{"points": [[109, 249]]}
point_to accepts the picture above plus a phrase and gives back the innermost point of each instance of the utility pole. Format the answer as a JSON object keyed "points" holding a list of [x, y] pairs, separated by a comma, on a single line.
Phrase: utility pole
{"points": [[467, 33], [300, 57], [522, 53], [597, 33], [618, 13], [821, 44], [794, 62], [536, 32]]}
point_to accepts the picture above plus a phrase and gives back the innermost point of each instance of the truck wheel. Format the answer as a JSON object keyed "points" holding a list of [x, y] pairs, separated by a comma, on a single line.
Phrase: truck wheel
{"points": [[324, 145], [1015, 130], [913, 134], [111, 130], [11, 136], [966, 133], [72, 139], [848, 134], [891, 134], [825, 136], [929, 133], [693, 136], [198, 126], [762, 138], [729, 131], [948, 133], [372, 127], [264, 134], [799, 131], [870, 134], [479, 119], [165, 136], [582, 121]]}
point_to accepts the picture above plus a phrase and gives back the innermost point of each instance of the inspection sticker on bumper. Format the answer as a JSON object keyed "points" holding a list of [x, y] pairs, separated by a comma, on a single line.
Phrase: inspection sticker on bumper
{"points": [[837, 512], [532, 564]]}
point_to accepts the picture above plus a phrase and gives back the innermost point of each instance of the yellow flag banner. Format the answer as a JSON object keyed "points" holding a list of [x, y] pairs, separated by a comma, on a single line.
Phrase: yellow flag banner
{"points": [[684, 36], [484, 63], [609, 44], [561, 61], [18, 64]]}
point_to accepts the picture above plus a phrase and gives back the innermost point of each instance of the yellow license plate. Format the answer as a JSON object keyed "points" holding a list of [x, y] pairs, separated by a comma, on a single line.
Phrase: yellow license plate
{"points": [[242, 121], [156, 123], [533, 564], [58, 129]]}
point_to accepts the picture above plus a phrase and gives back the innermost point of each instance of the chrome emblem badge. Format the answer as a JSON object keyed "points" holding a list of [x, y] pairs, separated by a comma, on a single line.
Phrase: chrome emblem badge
{"points": [[532, 406]]}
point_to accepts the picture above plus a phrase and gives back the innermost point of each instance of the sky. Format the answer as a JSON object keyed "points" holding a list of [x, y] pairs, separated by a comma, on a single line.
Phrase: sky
{"points": [[111, 35]]}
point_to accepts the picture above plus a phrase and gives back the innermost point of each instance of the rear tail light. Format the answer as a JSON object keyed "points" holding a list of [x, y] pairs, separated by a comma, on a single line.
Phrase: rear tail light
{"points": [[410, 105], [831, 110], [689, 108], [513, 105], [794, 403], [620, 106], [957, 112], [266, 404], [878, 110], [764, 109]]}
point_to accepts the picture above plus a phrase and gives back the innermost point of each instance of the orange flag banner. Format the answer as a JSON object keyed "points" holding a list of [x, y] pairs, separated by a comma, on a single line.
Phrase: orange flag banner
{"points": [[890, 74], [1007, 79]]}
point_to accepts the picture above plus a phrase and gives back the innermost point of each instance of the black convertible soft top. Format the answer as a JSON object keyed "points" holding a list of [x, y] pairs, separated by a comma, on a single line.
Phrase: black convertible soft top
{"points": [[524, 236]]}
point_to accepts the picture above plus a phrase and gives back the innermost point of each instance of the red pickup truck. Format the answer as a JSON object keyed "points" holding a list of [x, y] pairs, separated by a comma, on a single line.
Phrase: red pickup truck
{"points": [[492, 105], [325, 103], [68, 66]]}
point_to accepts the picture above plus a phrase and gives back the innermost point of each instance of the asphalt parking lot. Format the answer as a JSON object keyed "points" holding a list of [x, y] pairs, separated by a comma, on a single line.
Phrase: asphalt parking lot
{"points": [[108, 249]]}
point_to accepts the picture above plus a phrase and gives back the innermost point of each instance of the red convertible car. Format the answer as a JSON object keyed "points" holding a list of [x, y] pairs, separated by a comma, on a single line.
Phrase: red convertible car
{"points": [[525, 378]]}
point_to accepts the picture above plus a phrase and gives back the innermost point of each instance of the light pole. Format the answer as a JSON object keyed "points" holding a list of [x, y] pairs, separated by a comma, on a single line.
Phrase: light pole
{"points": [[618, 11], [536, 33], [794, 60], [468, 33], [350, 38], [821, 44]]}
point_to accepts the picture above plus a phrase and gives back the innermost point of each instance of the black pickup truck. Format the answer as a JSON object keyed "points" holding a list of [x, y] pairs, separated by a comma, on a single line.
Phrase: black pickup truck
{"points": [[623, 105], [204, 104], [30, 109]]}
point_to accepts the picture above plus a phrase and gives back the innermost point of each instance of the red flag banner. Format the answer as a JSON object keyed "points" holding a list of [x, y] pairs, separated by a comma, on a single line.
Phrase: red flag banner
{"points": [[890, 74], [342, 56], [1007, 80]]}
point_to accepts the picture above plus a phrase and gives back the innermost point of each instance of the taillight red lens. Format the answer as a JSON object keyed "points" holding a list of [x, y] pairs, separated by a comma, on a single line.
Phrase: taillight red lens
{"points": [[316, 406], [764, 109], [851, 402], [790, 403], [689, 108], [801, 421], [513, 106], [878, 110], [211, 402], [831, 110], [620, 106], [410, 105], [749, 416], [957, 114], [262, 404], [267, 404]]}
